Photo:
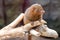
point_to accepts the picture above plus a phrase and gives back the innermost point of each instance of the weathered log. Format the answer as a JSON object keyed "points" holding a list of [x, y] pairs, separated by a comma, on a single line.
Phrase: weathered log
{"points": [[38, 38], [47, 32], [18, 32], [16, 38], [35, 33]]}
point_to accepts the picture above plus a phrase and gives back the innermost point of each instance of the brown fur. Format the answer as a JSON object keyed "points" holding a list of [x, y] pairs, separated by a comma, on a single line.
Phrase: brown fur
{"points": [[33, 13]]}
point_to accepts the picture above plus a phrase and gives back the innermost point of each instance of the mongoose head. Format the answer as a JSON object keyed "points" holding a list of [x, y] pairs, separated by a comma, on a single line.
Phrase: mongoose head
{"points": [[34, 12]]}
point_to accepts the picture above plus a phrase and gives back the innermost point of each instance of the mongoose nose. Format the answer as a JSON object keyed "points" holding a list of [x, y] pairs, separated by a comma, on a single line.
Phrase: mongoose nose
{"points": [[42, 11]]}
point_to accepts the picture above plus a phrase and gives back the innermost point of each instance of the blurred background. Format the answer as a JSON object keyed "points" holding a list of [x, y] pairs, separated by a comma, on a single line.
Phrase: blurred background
{"points": [[10, 9]]}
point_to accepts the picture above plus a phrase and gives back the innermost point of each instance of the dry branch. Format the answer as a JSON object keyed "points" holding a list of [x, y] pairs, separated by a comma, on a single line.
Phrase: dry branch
{"points": [[14, 23], [30, 25]]}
